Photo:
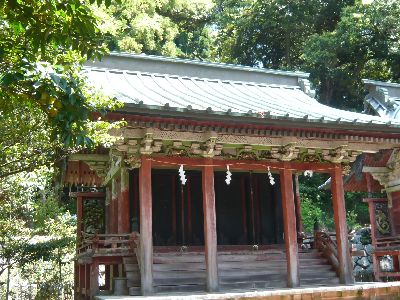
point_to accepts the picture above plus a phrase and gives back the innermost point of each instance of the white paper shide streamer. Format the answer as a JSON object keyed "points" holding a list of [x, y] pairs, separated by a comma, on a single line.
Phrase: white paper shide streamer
{"points": [[228, 175], [270, 177], [308, 173], [182, 175]]}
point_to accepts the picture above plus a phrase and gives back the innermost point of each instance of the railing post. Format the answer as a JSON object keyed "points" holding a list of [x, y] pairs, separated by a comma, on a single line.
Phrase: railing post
{"points": [[289, 222], [339, 210]]}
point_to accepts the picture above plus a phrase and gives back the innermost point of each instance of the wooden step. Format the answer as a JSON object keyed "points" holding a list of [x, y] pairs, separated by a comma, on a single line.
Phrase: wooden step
{"points": [[186, 288], [129, 259], [251, 285], [135, 291], [131, 267]]}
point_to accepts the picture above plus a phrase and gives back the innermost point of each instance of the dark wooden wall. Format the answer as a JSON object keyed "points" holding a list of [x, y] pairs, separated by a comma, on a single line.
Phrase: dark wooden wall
{"points": [[249, 210]]}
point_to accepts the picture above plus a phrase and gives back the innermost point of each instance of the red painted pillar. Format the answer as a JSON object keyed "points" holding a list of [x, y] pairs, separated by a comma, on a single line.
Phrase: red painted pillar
{"points": [[82, 279], [94, 279], [299, 222], [289, 222], [87, 281], [114, 206], [339, 210], [79, 216], [210, 228], [146, 233], [123, 203], [173, 222], [244, 206]]}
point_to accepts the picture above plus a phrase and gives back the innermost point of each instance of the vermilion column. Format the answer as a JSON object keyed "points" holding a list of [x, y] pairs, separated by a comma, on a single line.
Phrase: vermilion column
{"points": [[123, 203], [339, 210], [94, 279], [114, 206], [289, 225], [210, 228], [146, 234], [79, 216]]}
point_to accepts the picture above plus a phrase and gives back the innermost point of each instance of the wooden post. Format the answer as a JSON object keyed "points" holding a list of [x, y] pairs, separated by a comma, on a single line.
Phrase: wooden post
{"points": [[87, 281], [114, 206], [210, 228], [299, 222], [289, 226], [79, 216], [173, 206], [82, 280], [244, 207], [94, 279], [339, 211], [189, 210], [123, 203], [146, 234]]}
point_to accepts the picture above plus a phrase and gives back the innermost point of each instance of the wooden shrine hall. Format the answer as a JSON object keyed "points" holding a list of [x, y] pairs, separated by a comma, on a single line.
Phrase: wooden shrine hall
{"points": [[198, 192]]}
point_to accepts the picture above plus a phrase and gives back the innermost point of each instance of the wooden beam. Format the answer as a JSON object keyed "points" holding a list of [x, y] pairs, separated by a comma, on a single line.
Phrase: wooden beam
{"points": [[114, 171], [210, 228], [289, 225], [339, 211], [123, 203], [89, 157], [239, 165], [146, 234], [87, 195]]}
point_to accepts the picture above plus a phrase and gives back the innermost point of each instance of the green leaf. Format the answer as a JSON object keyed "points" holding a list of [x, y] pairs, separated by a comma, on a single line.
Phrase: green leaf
{"points": [[9, 78]]}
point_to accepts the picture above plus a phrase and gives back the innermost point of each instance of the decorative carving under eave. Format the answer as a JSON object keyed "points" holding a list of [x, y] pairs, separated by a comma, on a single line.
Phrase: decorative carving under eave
{"points": [[346, 169], [133, 161], [207, 149], [99, 167], [285, 153], [394, 160], [340, 155], [311, 155], [177, 149], [247, 153], [209, 146], [147, 144]]}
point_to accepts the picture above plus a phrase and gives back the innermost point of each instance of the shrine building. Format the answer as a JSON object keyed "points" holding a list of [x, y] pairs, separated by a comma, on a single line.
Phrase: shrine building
{"points": [[199, 192]]}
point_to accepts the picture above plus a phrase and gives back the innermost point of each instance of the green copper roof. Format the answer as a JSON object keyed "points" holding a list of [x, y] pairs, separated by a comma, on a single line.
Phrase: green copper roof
{"points": [[273, 94]]}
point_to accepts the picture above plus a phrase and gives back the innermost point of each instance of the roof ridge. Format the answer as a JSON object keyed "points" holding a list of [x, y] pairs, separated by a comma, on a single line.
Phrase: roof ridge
{"points": [[210, 64], [251, 83]]}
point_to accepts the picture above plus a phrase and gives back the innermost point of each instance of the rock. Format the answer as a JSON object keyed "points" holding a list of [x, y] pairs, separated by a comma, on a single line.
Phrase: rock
{"points": [[355, 239], [358, 269], [363, 262], [369, 249]]}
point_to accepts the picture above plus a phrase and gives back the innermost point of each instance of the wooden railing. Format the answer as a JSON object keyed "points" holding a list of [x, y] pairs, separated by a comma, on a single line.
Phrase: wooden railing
{"points": [[390, 242], [327, 246], [107, 243]]}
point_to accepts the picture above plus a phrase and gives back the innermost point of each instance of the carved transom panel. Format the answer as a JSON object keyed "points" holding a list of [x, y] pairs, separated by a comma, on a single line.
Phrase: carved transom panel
{"points": [[382, 220]]}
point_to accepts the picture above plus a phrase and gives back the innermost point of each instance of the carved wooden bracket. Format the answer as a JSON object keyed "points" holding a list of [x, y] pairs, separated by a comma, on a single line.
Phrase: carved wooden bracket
{"points": [[388, 176]]}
